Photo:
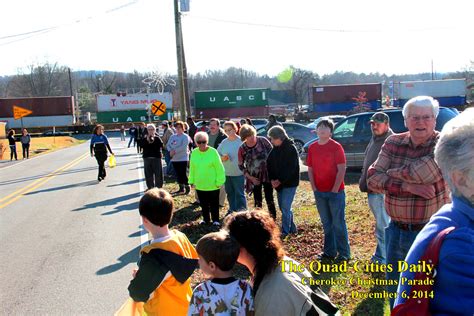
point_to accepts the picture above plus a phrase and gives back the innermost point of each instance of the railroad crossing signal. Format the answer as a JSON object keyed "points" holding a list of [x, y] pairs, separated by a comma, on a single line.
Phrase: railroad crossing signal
{"points": [[19, 112], [158, 108]]}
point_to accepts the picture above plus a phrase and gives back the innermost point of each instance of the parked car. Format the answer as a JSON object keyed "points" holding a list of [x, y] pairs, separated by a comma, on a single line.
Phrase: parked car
{"points": [[259, 123], [298, 132], [335, 118], [354, 133]]}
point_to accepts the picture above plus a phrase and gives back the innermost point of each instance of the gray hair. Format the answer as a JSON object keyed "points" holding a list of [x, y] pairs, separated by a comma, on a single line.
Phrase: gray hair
{"points": [[455, 147], [277, 132], [151, 125], [201, 135], [421, 102]]}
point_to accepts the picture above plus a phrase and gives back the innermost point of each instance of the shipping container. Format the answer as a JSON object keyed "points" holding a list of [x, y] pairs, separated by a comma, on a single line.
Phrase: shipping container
{"points": [[434, 88], [231, 98], [224, 113], [39, 121], [130, 116], [41, 106], [443, 101], [337, 107], [112, 102], [346, 93]]}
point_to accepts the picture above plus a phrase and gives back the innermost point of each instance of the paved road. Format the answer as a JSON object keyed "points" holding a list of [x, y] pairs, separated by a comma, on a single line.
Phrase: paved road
{"points": [[68, 243]]}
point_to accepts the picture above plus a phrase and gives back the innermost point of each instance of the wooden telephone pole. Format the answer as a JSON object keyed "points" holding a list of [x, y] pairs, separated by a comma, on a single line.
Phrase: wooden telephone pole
{"points": [[184, 106]]}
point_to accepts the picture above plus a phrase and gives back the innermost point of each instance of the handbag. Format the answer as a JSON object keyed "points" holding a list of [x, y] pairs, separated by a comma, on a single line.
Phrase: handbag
{"points": [[419, 305], [112, 161]]}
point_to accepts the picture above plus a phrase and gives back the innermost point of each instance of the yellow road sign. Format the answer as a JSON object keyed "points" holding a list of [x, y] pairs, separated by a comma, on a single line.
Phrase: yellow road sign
{"points": [[158, 108], [19, 112]]}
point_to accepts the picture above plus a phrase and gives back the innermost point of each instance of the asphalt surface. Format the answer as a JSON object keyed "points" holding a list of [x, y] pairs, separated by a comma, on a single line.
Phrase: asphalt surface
{"points": [[69, 243]]}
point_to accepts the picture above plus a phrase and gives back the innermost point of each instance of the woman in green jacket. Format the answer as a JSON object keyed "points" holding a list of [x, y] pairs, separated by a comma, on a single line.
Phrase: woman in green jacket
{"points": [[207, 175]]}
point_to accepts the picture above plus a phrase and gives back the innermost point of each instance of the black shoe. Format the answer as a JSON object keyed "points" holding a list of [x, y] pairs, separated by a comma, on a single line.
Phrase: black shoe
{"points": [[99, 179], [325, 257], [187, 189], [341, 259]]}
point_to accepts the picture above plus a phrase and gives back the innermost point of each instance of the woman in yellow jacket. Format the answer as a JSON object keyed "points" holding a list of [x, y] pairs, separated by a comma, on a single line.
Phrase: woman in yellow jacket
{"points": [[207, 175]]}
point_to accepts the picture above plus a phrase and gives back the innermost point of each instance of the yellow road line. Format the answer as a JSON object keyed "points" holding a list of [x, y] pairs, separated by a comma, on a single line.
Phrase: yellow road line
{"points": [[39, 180], [21, 192]]}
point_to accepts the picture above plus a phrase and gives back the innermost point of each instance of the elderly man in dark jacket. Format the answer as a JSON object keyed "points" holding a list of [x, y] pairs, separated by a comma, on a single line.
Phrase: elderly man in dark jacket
{"points": [[380, 125], [284, 174]]}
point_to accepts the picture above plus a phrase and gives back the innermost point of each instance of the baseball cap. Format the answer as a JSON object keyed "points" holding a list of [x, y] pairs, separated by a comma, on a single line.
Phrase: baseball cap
{"points": [[380, 117], [164, 123]]}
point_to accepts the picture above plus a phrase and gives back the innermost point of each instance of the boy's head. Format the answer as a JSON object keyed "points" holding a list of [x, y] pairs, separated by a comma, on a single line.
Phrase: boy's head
{"points": [[157, 207], [219, 251]]}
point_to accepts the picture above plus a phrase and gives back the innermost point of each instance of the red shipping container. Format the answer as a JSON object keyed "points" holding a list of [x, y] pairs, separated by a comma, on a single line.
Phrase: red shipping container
{"points": [[42, 106], [225, 113], [346, 93]]}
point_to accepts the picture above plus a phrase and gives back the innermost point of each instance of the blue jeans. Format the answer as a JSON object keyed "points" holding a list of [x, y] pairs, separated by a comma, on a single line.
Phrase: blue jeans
{"points": [[234, 187], [169, 166], [132, 138], [285, 199], [331, 208], [377, 206], [397, 242]]}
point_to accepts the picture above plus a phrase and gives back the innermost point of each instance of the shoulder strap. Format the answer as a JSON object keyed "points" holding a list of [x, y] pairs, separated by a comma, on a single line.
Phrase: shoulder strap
{"points": [[419, 304]]}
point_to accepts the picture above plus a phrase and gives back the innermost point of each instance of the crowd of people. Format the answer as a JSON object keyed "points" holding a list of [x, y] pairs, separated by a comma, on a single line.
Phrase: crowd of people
{"points": [[408, 178]]}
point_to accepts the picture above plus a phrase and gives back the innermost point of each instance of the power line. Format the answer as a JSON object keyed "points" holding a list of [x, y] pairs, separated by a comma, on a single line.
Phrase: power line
{"points": [[328, 30], [52, 28]]}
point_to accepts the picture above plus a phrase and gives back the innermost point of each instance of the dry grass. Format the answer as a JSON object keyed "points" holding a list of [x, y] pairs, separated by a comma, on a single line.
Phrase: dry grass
{"points": [[41, 145], [307, 244]]}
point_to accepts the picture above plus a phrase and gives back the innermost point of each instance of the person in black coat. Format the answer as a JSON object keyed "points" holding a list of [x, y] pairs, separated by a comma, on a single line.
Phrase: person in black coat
{"points": [[152, 146], [12, 144], [140, 134], [284, 174]]}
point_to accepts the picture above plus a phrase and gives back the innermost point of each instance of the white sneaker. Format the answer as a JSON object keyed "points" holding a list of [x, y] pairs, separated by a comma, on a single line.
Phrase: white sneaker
{"points": [[216, 224]]}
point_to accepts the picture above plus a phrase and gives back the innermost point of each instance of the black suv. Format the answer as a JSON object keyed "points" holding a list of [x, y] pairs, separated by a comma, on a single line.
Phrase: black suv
{"points": [[354, 132]]}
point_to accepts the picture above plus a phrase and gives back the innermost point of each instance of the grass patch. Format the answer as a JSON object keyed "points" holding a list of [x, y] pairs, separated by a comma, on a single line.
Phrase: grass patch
{"points": [[41, 145], [349, 289]]}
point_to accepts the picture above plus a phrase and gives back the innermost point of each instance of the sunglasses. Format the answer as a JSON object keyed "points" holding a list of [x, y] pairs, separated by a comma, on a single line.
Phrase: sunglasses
{"points": [[201, 142]]}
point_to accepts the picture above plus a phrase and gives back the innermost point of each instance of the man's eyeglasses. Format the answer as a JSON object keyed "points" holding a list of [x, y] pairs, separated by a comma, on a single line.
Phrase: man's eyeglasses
{"points": [[201, 142], [424, 118]]}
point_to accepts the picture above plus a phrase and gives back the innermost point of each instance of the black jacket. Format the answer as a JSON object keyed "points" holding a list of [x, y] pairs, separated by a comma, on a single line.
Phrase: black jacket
{"points": [[283, 164], [151, 150]]}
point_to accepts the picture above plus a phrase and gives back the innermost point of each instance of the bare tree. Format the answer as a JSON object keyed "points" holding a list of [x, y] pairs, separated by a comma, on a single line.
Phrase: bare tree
{"points": [[299, 84]]}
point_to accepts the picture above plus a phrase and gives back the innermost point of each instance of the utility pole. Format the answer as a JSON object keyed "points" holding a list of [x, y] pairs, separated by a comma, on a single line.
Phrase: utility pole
{"points": [[182, 76]]}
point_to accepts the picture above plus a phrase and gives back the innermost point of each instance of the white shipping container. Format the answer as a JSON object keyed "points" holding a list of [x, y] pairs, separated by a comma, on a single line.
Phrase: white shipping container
{"points": [[39, 121], [434, 88], [111, 102]]}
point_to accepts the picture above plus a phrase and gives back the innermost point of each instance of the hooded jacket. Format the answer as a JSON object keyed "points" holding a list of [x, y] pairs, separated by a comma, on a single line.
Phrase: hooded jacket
{"points": [[164, 271], [283, 165]]}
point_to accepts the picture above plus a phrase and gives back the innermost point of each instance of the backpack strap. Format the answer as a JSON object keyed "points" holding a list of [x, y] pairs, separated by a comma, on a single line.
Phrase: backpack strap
{"points": [[417, 304]]}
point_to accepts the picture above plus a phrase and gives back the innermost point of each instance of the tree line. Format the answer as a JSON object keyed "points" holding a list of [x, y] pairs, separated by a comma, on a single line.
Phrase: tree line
{"points": [[51, 79]]}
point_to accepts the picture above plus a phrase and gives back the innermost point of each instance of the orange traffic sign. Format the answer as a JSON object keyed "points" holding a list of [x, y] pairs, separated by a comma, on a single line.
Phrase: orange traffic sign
{"points": [[19, 112], [158, 108]]}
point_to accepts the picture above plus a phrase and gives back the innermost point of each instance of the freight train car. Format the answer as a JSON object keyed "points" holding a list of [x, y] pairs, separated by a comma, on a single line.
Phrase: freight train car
{"points": [[448, 92], [46, 111], [231, 103], [341, 99], [132, 108]]}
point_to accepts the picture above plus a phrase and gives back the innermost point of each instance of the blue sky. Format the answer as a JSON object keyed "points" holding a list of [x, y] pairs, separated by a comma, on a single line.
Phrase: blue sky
{"points": [[263, 36]]}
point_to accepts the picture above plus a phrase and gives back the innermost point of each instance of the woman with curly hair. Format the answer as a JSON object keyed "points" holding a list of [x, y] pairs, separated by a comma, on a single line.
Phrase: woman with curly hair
{"points": [[278, 290], [98, 148]]}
